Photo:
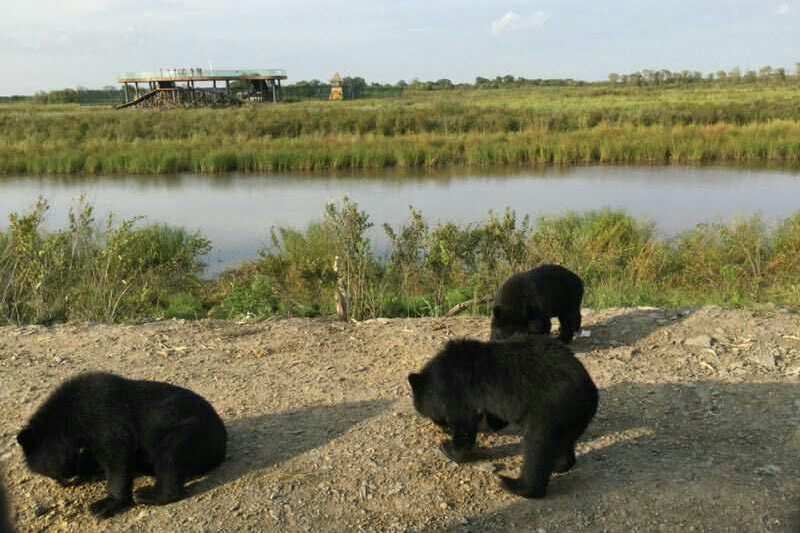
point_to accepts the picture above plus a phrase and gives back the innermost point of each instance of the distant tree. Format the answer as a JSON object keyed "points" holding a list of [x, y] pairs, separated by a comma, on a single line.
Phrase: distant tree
{"points": [[765, 73], [722, 75], [353, 86], [443, 84], [402, 84], [613, 78], [780, 73], [750, 76], [735, 74]]}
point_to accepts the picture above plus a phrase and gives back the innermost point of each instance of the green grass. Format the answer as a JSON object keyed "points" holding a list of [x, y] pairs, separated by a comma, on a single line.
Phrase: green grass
{"points": [[744, 123], [119, 271], [431, 269], [103, 272]]}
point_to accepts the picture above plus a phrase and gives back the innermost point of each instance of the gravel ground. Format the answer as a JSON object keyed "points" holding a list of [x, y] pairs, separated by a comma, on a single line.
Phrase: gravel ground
{"points": [[698, 427]]}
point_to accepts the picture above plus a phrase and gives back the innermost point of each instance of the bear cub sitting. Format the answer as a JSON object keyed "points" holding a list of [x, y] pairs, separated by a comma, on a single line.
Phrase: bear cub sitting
{"points": [[100, 421], [527, 301], [536, 383]]}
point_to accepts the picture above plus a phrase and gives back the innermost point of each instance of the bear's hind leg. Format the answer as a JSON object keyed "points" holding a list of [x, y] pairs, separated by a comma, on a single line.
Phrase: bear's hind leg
{"points": [[170, 466], [168, 487], [540, 452]]}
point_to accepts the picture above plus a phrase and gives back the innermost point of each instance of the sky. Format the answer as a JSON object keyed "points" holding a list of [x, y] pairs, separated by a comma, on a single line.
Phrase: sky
{"points": [[50, 44]]}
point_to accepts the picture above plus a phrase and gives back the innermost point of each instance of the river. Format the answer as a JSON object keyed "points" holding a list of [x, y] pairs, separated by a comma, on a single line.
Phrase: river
{"points": [[235, 212]]}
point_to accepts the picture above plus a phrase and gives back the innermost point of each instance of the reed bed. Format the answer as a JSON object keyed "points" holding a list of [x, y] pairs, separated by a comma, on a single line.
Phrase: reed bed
{"points": [[745, 124]]}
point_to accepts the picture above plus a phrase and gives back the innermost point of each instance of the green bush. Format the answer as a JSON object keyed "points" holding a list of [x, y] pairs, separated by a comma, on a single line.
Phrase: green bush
{"points": [[184, 305], [119, 272]]}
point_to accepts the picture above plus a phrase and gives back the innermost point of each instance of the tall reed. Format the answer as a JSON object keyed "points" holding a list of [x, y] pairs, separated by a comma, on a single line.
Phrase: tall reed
{"points": [[479, 129], [122, 270]]}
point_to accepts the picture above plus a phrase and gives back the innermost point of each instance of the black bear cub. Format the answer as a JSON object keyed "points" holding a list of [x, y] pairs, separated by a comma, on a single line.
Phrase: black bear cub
{"points": [[535, 382], [527, 301], [100, 421]]}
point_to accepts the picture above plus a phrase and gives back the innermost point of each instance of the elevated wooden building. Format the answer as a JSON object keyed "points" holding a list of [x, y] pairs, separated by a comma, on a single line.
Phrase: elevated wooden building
{"points": [[189, 87]]}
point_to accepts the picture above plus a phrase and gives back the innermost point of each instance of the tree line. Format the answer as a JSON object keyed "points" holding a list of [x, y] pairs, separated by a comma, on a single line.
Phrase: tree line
{"points": [[637, 78], [735, 75], [359, 87]]}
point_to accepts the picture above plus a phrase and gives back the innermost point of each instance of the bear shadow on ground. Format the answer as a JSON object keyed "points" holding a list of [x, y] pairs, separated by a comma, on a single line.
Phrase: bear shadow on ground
{"points": [[625, 329], [259, 442], [674, 451]]}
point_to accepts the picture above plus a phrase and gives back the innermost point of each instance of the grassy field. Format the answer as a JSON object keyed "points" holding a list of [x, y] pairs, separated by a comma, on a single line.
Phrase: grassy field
{"points": [[121, 271], [740, 124]]}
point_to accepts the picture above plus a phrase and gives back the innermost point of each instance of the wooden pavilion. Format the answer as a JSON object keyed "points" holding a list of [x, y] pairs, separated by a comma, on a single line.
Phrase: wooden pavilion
{"points": [[195, 87]]}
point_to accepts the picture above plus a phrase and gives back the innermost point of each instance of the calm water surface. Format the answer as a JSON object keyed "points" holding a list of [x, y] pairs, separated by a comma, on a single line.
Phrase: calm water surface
{"points": [[236, 212]]}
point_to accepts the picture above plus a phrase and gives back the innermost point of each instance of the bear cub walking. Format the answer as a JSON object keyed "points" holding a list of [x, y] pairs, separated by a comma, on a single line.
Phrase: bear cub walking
{"points": [[536, 383], [100, 421], [527, 301]]}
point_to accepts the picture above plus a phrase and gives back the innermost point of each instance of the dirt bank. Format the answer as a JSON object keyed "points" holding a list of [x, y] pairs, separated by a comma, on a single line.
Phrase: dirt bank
{"points": [[697, 428]]}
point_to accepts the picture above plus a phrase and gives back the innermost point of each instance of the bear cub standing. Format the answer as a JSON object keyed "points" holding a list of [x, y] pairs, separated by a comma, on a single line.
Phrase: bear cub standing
{"points": [[121, 427], [527, 301], [536, 383]]}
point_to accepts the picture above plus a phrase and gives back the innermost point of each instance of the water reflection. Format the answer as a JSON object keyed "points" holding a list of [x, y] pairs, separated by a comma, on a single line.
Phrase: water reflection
{"points": [[236, 211]]}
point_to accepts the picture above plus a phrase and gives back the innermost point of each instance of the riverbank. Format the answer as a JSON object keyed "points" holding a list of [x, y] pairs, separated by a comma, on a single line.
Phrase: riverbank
{"points": [[125, 271], [696, 429]]}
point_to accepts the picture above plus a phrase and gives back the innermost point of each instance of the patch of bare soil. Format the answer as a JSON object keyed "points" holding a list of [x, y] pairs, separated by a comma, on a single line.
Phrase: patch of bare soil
{"points": [[698, 427]]}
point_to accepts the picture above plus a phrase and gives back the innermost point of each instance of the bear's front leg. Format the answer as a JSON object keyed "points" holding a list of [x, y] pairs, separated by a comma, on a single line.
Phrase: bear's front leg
{"points": [[464, 433], [119, 483]]}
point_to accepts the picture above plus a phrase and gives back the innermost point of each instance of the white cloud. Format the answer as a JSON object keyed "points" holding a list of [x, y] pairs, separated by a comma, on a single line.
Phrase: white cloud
{"points": [[511, 22], [782, 9]]}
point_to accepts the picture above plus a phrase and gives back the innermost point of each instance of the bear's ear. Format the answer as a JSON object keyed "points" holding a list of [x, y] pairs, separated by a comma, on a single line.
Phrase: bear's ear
{"points": [[416, 381], [26, 438], [497, 312]]}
